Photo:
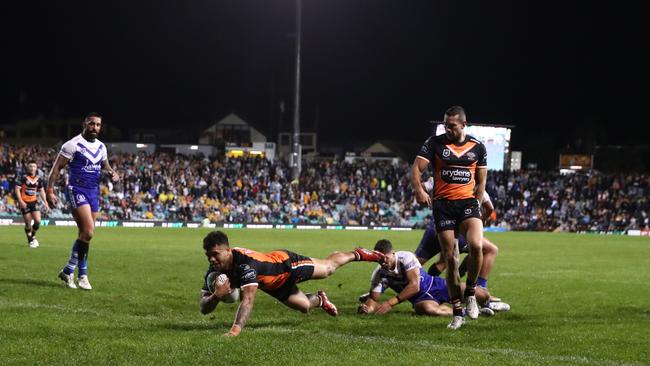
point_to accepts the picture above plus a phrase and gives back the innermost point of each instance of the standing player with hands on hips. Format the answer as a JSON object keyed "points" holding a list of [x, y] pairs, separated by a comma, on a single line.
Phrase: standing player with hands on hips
{"points": [[85, 157], [459, 163]]}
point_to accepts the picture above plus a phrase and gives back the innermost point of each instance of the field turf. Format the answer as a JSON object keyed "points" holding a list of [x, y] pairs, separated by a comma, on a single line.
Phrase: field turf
{"points": [[576, 299]]}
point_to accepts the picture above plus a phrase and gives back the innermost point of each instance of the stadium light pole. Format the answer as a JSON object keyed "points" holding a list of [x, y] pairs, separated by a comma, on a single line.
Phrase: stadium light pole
{"points": [[295, 147]]}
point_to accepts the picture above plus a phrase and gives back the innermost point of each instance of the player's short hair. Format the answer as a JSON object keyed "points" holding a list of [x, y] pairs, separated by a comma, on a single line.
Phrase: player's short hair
{"points": [[384, 246], [215, 238], [92, 114], [31, 161], [454, 110]]}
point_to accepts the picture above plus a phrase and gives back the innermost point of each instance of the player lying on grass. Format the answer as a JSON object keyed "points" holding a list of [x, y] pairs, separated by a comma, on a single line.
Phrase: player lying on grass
{"points": [[402, 273], [275, 273]]}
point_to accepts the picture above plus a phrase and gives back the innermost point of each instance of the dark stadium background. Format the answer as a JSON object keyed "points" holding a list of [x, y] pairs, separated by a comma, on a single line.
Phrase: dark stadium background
{"points": [[554, 70]]}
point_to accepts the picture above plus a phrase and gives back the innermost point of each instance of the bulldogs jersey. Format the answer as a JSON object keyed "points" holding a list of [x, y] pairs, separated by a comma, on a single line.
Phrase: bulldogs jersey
{"points": [[395, 278], [84, 168]]}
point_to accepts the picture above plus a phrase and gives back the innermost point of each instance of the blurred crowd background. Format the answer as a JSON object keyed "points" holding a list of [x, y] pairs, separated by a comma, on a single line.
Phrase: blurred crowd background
{"points": [[163, 186]]}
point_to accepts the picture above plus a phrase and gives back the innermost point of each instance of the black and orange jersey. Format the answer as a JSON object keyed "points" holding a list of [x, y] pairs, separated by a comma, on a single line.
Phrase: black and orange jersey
{"points": [[267, 270], [454, 165], [29, 187]]}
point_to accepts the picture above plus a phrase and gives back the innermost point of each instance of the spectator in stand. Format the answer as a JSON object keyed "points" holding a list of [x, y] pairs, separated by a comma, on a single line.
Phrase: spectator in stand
{"points": [[188, 188]]}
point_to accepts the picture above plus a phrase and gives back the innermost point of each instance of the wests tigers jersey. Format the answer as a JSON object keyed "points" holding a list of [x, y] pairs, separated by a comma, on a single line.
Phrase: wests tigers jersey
{"points": [[454, 165], [29, 187]]}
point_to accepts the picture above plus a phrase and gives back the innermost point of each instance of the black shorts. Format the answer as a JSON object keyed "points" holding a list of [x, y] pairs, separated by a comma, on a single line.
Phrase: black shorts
{"points": [[449, 214], [30, 207], [302, 268]]}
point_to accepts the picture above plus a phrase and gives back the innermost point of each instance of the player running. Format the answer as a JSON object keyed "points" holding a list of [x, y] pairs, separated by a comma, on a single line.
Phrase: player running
{"points": [[402, 273], [275, 273], [85, 156], [28, 187], [459, 164]]}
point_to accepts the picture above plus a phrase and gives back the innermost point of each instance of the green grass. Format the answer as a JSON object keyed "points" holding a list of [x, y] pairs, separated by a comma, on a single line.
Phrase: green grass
{"points": [[576, 299]]}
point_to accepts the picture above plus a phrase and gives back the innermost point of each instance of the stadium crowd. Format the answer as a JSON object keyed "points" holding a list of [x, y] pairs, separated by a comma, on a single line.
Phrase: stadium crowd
{"points": [[254, 190]]}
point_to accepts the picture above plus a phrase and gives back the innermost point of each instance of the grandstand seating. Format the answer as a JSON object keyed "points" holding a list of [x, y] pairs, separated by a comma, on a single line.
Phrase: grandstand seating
{"points": [[254, 190]]}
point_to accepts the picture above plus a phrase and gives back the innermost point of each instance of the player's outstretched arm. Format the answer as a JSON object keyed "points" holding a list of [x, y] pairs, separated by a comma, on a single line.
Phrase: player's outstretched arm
{"points": [[244, 310], [370, 306], [413, 276], [60, 162]]}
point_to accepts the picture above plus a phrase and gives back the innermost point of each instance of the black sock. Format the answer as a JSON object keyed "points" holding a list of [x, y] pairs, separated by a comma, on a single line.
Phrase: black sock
{"points": [[469, 289], [462, 269], [458, 310], [433, 270]]}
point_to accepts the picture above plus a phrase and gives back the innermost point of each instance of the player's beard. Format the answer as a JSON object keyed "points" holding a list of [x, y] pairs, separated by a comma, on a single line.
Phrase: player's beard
{"points": [[90, 136]]}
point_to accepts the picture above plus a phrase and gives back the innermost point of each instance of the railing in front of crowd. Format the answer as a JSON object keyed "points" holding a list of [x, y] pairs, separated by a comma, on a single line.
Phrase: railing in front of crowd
{"points": [[17, 220]]}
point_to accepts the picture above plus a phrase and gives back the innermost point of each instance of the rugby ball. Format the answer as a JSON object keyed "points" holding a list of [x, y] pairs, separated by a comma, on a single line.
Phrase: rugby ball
{"points": [[220, 279]]}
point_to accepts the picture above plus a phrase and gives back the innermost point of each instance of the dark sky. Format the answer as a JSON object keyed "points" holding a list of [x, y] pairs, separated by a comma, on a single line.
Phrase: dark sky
{"points": [[371, 68]]}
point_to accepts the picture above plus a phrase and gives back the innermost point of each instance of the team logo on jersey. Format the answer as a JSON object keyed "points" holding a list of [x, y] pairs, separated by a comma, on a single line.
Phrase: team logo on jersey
{"points": [[81, 198], [446, 153], [468, 211], [470, 156], [456, 175], [248, 275]]}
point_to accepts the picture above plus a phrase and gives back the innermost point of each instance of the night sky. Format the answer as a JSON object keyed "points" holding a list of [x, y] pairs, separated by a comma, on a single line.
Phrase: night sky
{"points": [[382, 69]]}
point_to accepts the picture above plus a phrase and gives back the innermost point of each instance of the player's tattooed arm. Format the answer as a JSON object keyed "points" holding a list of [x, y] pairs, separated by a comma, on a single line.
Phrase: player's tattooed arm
{"points": [[244, 310], [208, 302]]}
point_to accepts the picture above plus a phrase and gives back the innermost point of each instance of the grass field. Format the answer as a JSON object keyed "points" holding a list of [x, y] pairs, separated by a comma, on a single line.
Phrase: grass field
{"points": [[576, 299]]}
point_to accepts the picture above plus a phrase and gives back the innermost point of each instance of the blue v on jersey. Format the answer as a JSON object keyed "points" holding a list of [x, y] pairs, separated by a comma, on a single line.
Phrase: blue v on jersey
{"points": [[86, 157]]}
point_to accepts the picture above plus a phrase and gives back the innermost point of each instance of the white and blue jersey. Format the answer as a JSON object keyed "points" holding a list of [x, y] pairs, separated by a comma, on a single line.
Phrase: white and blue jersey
{"points": [[84, 171], [431, 288]]}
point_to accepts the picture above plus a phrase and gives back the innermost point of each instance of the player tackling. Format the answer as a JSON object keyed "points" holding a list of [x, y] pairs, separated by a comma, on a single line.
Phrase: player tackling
{"points": [[85, 156], [275, 273]]}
